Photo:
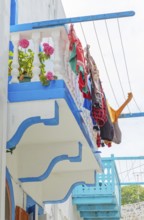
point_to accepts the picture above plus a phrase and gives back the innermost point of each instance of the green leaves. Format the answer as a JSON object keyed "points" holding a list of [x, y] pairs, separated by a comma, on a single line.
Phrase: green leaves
{"points": [[132, 194], [44, 80], [25, 59]]}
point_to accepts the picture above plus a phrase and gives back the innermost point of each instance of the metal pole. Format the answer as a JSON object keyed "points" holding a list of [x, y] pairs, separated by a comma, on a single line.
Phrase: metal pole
{"points": [[124, 158], [4, 47], [63, 21]]}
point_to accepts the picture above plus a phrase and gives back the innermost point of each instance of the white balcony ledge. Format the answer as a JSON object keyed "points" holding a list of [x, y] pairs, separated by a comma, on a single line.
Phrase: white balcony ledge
{"points": [[57, 90], [51, 142]]}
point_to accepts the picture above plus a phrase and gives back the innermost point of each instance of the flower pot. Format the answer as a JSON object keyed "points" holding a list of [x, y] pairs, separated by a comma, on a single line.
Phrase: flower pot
{"points": [[24, 79]]}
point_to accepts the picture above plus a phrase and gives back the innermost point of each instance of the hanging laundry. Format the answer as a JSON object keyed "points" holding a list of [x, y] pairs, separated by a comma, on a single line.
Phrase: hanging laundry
{"points": [[77, 62], [107, 130], [114, 115], [97, 94], [104, 117], [99, 111]]}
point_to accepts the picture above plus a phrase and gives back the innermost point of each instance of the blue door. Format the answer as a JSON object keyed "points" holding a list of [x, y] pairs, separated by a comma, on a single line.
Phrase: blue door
{"points": [[32, 212]]}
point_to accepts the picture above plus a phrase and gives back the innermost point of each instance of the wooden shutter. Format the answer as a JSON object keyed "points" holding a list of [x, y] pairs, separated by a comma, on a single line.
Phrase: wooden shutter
{"points": [[21, 214]]}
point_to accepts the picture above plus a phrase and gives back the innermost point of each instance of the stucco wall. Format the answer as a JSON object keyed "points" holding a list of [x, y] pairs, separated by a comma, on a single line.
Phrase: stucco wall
{"points": [[63, 211], [32, 11], [39, 10], [19, 194]]}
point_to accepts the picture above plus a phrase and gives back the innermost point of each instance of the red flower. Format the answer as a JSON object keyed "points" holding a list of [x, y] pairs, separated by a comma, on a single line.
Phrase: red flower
{"points": [[49, 76], [45, 45], [24, 43], [49, 50]]}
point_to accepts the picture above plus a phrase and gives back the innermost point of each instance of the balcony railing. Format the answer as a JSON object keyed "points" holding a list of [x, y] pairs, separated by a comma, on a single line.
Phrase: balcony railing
{"points": [[107, 183], [57, 37]]}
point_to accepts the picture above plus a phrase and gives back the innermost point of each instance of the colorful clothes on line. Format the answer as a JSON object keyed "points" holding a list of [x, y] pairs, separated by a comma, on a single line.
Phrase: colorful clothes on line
{"points": [[77, 62]]}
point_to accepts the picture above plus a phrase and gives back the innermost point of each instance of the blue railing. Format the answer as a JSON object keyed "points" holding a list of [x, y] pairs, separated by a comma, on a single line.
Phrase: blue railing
{"points": [[107, 183]]}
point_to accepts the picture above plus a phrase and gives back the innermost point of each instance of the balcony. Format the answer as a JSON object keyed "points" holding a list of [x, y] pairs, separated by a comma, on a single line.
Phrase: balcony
{"points": [[50, 134], [103, 200]]}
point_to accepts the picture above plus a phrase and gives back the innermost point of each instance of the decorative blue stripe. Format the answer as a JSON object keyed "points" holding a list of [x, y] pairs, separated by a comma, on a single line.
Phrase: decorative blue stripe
{"points": [[61, 22], [31, 121], [13, 12], [70, 191], [52, 164], [20, 92], [8, 178]]}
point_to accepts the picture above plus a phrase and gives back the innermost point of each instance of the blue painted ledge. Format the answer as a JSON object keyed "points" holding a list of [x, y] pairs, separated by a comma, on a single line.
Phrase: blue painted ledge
{"points": [[29, 122], [31, 91]]}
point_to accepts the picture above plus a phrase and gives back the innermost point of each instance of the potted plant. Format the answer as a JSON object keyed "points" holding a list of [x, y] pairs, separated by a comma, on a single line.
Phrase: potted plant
{"points": [[44, 55], [26, 58]]}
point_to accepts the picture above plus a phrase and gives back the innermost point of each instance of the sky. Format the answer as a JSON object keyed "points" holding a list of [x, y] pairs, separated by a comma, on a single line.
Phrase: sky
{"points": [[123, 38]]}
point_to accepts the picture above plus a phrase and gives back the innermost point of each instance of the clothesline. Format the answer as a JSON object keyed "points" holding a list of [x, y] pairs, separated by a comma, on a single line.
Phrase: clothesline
{"points": [[114, 60]]}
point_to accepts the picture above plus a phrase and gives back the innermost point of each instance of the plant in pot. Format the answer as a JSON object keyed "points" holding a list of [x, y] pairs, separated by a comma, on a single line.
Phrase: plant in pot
{"points": [[44, 55], [26, 58]]}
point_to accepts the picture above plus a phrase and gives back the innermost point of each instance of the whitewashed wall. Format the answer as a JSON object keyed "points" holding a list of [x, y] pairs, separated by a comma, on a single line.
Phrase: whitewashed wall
{"points": [[39, 10], [19, 194], [32, 11], [62, 211]]}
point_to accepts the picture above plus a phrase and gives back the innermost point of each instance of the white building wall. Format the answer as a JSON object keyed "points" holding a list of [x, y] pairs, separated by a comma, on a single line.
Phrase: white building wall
{"points": [[39, 10], [62, 211], [34, 11], [19, 194]]}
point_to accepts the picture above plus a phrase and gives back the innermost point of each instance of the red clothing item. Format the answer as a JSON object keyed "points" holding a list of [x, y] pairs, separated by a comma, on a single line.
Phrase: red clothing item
{"points": [[99, 114], [80, 62]]}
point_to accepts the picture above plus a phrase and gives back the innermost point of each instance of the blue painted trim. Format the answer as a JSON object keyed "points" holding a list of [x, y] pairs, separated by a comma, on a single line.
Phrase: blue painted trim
{"points": [[52, 164], [31, 121], [124, 158], [61, 22], [131, 183], [20, 92], [32, 210], [16, 12], [30, 204], [70, 192], [8, 178], [13, 13], [132, 115]]}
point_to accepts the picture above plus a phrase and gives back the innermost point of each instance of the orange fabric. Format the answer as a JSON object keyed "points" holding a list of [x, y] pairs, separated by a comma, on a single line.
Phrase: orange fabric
{"points": [[114, 114]]}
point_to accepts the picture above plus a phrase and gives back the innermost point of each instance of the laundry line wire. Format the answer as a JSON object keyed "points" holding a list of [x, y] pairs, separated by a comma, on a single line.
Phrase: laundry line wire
{"points": [[105, 66], [126, 66], [131, 169], [115, 63], [106, 70], [104, 63], [128, 173]]}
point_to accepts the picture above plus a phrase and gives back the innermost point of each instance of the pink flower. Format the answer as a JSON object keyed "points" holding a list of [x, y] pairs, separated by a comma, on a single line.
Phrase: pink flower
{"points": [[49, 76], [45, 45], [49, 50], [24, 43]]}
